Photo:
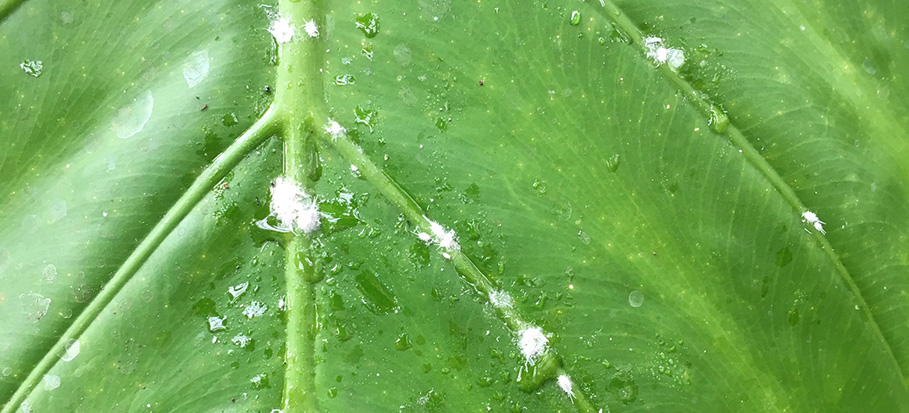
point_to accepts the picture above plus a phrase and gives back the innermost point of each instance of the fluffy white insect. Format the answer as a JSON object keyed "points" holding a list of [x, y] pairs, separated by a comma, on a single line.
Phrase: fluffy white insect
{"points": [[424, 237], [282, 30], [566, 385], [445, 238], [335, 129], [812, 219], [293, 208], [532, 342], [311, 29], [660, 54]]}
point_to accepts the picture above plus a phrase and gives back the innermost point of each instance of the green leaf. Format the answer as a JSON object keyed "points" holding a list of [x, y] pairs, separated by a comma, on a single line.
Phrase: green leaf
{"points": [[649, 205]]}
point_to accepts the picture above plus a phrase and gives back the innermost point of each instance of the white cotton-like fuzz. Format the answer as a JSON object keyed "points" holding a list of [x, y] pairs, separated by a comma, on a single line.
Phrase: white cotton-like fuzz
{"points": [[335, 129], [445, 238], [812, 219], [501, 299], [660, 54], [216, 323], [311, 29], [532, 342], [282, 30], [566, 385], [293, 208]]}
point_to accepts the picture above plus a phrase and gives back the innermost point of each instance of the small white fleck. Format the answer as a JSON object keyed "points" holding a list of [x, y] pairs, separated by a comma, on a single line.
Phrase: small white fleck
{"points": [[446, 255], [812, 219], [353, 168], [532, 342], [424, 237], [216, 323], [282, 30], [311, 29], [660, 54], [281, 303], [255, 309], [565, 384], [335, 129]]}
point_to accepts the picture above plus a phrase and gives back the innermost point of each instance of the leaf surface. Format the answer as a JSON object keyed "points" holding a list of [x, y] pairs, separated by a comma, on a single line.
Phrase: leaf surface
{"points": [[647, 215]]}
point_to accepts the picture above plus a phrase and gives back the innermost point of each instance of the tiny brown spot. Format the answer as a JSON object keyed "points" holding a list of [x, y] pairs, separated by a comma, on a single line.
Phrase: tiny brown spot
{"points": [[205, 106], [481, 83]]}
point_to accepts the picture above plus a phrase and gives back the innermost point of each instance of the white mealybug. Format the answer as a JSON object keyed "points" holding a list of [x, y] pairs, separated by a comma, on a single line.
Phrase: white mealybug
{"points": [[282, 30], [532, 342], [292, 207], [660, 54], [445, 238], [335, 129], [812, 219], [566, 385], [311, 29]]}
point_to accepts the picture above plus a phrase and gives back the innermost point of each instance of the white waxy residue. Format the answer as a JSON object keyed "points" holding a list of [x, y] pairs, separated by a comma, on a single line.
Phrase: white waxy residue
{"points": [[195, 69], [532, 343], [216, 323], [294, 210], [566, 385], [660, 54], [132, 118], [255, 309], [812, 219], [282, 30], [241, 340]]}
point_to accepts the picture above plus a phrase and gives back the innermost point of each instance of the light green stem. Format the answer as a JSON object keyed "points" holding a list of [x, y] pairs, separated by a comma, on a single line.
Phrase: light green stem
{"points": [[224, 163], [300, 95]]}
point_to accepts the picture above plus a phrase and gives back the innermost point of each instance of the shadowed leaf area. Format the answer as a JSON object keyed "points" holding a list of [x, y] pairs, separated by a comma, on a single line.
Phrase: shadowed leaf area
{"points": [[443, 206]]}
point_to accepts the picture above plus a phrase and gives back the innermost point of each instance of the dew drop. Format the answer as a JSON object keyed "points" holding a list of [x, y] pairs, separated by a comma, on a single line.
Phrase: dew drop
{"points": [[636, 298], [575, 18], [368, 24], [195, 70], [132, 119], [32, 67], [51, 381], [71, 350]]}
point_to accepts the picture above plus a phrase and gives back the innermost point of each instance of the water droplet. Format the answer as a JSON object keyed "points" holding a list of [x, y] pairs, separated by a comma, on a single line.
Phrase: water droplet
{"points": [[32, 67], [794, 316], [57, 209], [344, 80], [238, 289], [195, 69], [575, 18], [435, 9], [131, 119], [612, 164], [66, 17], [365, 117], [636, 298], [35, 306], [403, 342], [375, 295], [403, 55], [71, 350], [4, 259], [624, 388], [51, 381], [718, 120], [539, 185], [368, 24], [783, 257], [230, 119], [868, 65], [50, 273]]}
